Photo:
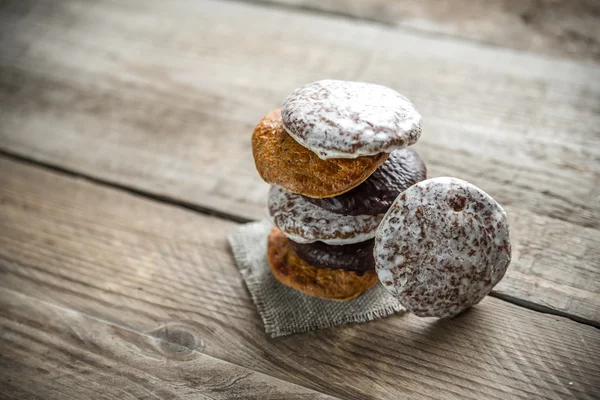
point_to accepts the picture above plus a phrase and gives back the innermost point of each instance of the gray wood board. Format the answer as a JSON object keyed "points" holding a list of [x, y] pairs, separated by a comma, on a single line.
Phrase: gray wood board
{"points": [[160, 281], [563, 28], [163, 100]]}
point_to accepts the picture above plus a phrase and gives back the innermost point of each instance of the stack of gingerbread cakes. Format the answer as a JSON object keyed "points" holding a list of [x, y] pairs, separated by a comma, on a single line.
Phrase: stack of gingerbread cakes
{"points": [[336, 156]]}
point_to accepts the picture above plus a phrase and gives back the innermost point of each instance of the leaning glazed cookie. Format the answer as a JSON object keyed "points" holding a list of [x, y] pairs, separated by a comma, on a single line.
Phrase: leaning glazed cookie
{"points": [[282, 161], [342, 119], [374, 196], [292, 271], [303, 222], [442, 247]]}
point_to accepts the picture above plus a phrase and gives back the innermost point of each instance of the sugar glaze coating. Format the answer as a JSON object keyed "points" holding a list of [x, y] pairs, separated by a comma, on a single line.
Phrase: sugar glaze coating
{"points": [[304, 222], [343, 119], [442, 246]]}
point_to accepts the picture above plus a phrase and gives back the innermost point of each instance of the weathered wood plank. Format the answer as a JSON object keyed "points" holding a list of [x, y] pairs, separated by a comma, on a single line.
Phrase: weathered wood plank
{"points": [[49, 352], [167, 110], [155, 268], [564, 28], [163, 99]]}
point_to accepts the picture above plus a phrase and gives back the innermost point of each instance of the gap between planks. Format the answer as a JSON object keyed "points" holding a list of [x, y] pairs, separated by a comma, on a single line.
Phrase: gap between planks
{"points": [[136, 109], [331, 13], [389, 24], [235, 218], [156, 267], [306, 9], [156, 197]]}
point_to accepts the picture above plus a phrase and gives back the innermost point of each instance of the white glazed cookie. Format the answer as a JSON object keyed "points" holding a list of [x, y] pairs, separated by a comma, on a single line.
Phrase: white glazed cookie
{"points": [[304, 222], [442, 246], [342, 119]]}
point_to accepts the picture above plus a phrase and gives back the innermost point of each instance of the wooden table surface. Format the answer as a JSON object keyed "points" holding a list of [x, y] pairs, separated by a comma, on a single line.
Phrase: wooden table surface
{"points": [[125, 161]]}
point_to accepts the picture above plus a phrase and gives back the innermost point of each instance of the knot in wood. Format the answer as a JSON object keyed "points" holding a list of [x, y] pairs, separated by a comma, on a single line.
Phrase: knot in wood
{"points": [[175, 340]]}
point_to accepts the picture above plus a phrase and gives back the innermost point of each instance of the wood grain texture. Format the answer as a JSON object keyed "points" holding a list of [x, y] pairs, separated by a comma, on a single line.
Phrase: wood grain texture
{"points": [[563, 28], [163, 100], [49, 352], [153, 268]]}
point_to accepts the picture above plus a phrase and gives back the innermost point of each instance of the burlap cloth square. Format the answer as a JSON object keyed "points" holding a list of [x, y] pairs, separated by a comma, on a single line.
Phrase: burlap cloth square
{"points": [[284, 310]]}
